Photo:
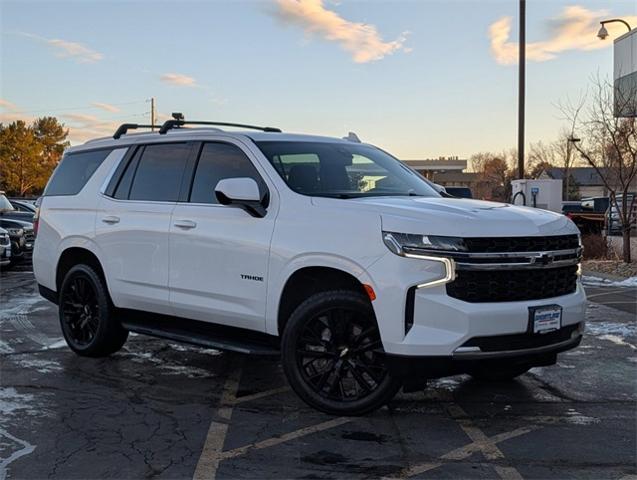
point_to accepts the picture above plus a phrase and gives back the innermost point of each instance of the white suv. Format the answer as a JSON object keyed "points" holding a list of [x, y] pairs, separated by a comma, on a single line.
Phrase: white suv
{"points": [[328, 252]]}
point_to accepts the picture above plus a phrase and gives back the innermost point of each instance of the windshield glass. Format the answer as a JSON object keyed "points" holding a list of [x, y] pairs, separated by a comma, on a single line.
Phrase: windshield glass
{"points": [[342, 170], [5, 204]]}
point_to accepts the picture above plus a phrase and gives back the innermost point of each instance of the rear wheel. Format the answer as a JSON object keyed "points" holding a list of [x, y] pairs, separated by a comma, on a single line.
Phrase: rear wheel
{"points": [[87, 314], [498, 372], [333, 356]]}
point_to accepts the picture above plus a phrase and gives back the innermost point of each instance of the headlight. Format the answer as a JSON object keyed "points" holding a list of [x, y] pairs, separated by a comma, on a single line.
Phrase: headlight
{"points": [[15, 231], [401, 243]]}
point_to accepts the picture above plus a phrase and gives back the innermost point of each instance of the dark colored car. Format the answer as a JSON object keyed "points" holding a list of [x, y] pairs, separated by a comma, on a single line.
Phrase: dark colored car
{"points": [[21, 236], [7, 210], [22, 205], [460, 192]]}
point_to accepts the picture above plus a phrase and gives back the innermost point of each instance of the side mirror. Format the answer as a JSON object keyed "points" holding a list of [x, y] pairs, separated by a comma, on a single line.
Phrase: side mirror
{"points": [[242, 192]]}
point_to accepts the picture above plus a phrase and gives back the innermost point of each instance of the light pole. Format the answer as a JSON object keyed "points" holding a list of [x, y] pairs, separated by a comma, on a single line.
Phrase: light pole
{"points": [[603, 33], [569, 141], [521, 87]]}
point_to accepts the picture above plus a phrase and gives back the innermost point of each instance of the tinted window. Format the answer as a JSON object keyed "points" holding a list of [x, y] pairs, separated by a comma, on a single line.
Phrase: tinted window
{"points": [[216, 162], [123, 187], [158, 175], [74, 171], [343, 170]]}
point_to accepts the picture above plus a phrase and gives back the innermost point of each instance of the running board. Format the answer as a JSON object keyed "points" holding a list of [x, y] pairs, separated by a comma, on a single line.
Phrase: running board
{"points": [[202, 334]]}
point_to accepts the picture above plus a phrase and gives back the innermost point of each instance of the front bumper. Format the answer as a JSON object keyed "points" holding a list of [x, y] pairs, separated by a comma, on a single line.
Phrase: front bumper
{"points": [[443, 325], [416, 369]]}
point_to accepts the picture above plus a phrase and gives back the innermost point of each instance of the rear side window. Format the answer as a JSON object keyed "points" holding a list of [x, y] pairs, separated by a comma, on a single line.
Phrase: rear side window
{"points": [[216, 162], [159, 172], [74, 171]]}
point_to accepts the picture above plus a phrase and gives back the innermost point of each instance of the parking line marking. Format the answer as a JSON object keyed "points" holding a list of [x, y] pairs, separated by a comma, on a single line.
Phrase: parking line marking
{"points": [[211, 453], [255, 396], [461, 453], [271, 442]]}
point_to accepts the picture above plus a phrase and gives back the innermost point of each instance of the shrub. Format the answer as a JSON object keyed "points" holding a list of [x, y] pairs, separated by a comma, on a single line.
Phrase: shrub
{"points": [[595, 247]]}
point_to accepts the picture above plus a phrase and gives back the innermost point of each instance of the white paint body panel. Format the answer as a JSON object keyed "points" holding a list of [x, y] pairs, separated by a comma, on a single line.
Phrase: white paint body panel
{"points": [[151, 264]]}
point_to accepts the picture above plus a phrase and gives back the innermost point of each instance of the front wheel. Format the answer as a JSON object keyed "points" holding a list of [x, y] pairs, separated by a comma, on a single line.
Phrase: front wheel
{"points": [[333, 356]]}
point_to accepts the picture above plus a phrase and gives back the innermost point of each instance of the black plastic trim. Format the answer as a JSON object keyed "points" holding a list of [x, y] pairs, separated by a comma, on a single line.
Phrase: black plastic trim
{"points": [[200, 333], [47, 293], [410, 301]]}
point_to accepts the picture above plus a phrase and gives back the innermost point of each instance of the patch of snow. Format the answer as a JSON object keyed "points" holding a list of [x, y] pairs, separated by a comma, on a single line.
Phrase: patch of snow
{"points": [[611, 328], [11, 401], [40, 365], [26, 449], [603, 282], [618, 341], [577, 418], [57, 344], [5, 348]]}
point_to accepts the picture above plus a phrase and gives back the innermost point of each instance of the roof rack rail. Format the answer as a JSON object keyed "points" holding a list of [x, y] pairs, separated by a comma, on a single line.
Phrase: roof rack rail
{"points": [[170, 124], [125, 127]]}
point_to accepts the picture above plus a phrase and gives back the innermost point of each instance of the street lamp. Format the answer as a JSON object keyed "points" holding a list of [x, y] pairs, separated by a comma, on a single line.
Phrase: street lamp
{"points": [[603, 33]]}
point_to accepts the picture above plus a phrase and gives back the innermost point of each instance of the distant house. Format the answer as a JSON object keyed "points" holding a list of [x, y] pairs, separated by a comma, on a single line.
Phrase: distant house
{"points": [[430, 167], [588, 181]]}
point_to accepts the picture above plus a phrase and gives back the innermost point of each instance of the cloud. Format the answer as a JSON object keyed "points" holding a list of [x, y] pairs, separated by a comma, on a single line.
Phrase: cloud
{"points": [[574, 29], [65, 49], [361, 40], [7, 105], [106, 106], [74, 50], [178, 79], [84, 127]]}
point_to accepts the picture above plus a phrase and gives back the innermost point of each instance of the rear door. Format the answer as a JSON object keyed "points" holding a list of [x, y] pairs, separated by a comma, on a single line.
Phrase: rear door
{"points": [[133, 223], [219, 254]]}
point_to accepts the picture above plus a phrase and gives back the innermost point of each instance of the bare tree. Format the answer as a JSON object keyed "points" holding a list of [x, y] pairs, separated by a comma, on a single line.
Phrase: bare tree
{"points": [[609, 145]]}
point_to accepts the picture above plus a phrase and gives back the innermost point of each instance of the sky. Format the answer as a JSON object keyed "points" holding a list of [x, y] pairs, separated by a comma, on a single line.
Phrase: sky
{"points": [[419, 78]]}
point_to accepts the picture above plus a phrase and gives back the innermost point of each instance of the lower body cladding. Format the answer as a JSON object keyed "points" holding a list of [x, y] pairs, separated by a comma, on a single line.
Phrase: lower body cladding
{"points": [[427, 333]]}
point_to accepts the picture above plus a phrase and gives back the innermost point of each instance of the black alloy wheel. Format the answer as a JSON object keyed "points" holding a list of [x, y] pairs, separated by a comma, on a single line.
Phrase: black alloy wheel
{"points": [[333, 355], [87, 315]]}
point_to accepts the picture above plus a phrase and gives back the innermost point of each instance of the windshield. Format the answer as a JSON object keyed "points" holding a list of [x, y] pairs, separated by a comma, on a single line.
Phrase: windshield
{"points": [[342, 170], [5, 204]]}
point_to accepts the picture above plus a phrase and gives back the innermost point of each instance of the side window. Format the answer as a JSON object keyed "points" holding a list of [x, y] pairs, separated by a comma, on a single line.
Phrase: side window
{"points": [[300, 170], [159, 171], [216, 162], [123, 187], [74, 171]]}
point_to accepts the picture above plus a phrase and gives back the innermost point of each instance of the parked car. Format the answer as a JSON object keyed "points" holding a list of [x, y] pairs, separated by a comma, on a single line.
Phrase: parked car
{"points": [[326, 252], [460, 192], [5, 248], [571, 207], [8, 211], [590, 217], [21, 236], [23, 205], [614, 219]]}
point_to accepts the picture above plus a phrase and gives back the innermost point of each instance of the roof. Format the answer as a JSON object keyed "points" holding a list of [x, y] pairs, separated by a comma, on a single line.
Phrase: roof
{"points": [[202, 134], [455, 177], [581, 175], [439, 163]]}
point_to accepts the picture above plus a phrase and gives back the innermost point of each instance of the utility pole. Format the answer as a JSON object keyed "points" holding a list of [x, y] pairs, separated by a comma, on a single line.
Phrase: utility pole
{"points": [[521, 87], [152, 114]]}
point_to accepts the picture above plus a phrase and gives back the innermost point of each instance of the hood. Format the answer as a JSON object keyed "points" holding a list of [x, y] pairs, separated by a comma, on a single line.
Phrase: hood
{"points": [[14, 223], [463, 217]]}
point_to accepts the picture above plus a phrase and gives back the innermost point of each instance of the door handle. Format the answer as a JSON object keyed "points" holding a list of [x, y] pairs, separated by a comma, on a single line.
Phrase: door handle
{"points": [[185, 224], [110, 219]]}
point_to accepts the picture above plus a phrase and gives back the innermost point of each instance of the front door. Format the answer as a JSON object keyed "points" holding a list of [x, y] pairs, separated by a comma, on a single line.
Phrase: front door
{"points": [[219, 254]]}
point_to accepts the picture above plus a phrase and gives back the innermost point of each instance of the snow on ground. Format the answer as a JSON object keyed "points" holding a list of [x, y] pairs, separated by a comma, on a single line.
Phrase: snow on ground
{"points": [[603, 282]]}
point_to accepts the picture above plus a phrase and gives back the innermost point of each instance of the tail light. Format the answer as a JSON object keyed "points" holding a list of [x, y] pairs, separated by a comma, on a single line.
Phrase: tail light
{"points": [[36, 216]]}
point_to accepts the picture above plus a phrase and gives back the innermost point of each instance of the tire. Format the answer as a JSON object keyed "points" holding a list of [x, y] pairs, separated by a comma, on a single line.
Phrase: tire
{"points": [[87, 315], [333, 356], [498, 372]]}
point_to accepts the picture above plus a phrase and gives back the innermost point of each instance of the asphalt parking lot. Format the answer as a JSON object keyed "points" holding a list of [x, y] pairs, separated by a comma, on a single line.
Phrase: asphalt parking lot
{"points": [[161, 410]]}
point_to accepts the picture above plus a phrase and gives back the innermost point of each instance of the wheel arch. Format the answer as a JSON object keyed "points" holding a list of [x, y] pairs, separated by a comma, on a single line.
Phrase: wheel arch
{"points": [[75, 255], [308, 280]]}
